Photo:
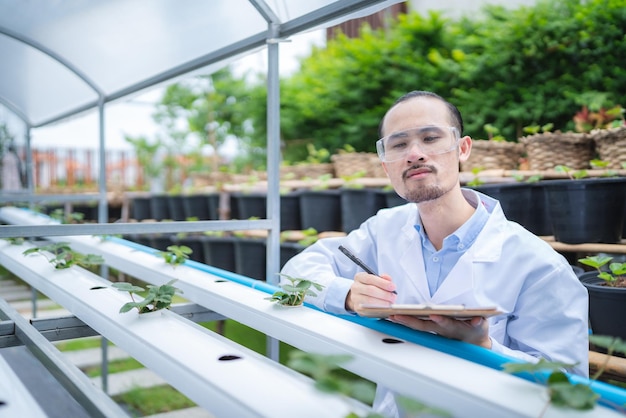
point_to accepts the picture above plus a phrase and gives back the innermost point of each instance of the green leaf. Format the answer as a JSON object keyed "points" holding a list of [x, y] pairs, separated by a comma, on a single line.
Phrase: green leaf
{"points": [[577, 396], [127, 287]]}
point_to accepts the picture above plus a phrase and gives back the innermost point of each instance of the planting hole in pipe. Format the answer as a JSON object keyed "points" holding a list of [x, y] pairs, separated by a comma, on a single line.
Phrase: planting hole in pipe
{"points": [[392, 341], [229, 357], [98, 287]]}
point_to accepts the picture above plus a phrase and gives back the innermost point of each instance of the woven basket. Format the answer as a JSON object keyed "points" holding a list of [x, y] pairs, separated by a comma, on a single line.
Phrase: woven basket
{"points": [[549, 149], [301, 171], [349, 163], [489, 155], [611, 145]]}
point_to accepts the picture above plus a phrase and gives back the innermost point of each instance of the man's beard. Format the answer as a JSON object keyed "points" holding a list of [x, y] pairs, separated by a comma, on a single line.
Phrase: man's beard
{"points": [[424, 194]]}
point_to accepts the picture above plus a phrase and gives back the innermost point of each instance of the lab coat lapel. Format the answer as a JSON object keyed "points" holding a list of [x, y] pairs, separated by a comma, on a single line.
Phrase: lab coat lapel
{"points": [[412, 265], [458, 287]]}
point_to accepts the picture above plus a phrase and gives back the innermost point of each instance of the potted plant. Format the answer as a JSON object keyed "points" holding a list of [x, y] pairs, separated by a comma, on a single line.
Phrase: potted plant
{"points": [[607, 295], [294, 292], [586, 209], [607, 128], [358, 203]]}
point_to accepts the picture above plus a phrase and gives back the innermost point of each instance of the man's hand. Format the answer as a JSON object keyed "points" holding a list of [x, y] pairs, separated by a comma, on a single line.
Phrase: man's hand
{"points": [[370, 289], [474, 331]]}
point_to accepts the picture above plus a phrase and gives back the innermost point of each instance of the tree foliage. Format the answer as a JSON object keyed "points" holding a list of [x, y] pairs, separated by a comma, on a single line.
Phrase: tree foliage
{"points": [[508, 68]]}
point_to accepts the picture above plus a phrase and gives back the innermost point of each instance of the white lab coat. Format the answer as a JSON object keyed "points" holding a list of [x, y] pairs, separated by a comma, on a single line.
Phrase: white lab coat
{"points": [[545, 305]]}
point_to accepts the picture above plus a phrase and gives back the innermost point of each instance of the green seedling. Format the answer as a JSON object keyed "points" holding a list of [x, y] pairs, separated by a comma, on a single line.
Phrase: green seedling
{"points": [[175, 254], [15, 240], [330, 377], [573, 175], [63, 257], [535, 129], [157, 298], [310, 237], [70, 218], [562, 392], [294, 292], [615, 277], [476, 181]]}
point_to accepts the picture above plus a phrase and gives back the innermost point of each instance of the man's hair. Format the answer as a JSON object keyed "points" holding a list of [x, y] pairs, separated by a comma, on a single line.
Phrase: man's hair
{"points": [[455, 114]]}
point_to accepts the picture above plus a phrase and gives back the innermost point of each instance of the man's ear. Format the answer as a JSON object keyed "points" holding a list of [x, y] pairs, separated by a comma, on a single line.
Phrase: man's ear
{"points": [[465, 148]]}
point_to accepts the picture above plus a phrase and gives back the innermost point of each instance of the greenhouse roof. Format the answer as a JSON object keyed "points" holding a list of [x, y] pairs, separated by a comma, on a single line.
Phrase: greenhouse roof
{"points": [[61, 58]]}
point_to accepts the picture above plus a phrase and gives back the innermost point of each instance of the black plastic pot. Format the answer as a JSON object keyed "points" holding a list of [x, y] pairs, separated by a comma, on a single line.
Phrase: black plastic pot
{"points": [[587, 210], [250, 205], [201, 206], [538, 221], [290, 211], [288, 250], [321, 210], [357, 205], [250, 258], [607, 306], [141, 208], [392, 198], [176, 208], [515, 199], [160, 207], [219, 252]]}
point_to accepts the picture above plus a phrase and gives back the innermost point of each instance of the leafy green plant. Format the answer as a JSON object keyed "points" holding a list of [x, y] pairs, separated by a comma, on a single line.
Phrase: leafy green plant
{"points": [[157, 298], [562, 392], [573, 175], [15, 240], [329, 378], [615, 277], [535, 129], [350, 181], [70, 218], [63, 257], [493, 133], [176, 254], [476, 181], [294, 292], [588, 119]]}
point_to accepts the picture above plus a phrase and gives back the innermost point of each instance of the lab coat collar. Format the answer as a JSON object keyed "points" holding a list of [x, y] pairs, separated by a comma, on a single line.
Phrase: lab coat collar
{"points": [[458, 286]]}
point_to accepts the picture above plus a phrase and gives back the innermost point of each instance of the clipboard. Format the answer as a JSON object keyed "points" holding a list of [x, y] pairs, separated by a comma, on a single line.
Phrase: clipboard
{"points": [[423, 310]]}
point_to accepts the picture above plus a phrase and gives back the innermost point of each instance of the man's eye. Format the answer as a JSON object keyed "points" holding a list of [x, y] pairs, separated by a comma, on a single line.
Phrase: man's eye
{"points": [[431, 138], [397, 145]]}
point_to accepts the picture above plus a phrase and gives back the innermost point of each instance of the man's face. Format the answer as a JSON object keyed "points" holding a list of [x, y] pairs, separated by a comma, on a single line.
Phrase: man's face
{"points": [[418, 176]]}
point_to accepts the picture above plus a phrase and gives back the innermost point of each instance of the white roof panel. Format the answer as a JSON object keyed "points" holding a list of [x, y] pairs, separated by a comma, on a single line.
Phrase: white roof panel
{"points": [[59, 57]]}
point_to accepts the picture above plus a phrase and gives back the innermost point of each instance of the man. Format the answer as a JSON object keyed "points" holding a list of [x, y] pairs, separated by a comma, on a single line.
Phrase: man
{"points": [[450, 245]]}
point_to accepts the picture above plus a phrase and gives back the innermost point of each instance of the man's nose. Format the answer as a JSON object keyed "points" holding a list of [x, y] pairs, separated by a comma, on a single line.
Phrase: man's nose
{"points": [[414, 152]]}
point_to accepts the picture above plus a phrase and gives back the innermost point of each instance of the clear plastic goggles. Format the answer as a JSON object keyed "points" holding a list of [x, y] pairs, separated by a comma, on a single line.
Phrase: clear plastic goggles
{"points": [[430, 140]]}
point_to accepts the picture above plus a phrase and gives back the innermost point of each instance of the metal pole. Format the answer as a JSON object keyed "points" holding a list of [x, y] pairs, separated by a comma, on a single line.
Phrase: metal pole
{"points": [[273, 162]]}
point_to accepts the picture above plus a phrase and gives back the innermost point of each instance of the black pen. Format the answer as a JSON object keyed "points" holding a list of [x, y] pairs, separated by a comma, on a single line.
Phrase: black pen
{"points": [[359, 263]]}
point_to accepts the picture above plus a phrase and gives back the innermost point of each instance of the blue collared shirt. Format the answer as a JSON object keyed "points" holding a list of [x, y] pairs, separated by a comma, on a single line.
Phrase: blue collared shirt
{"points": [[439, 263]]}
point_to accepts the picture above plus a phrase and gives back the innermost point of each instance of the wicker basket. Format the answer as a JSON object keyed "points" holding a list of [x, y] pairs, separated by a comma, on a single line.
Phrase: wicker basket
{"points": [[488, 155], [611, 145], [549, 149], [349, 163]]}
